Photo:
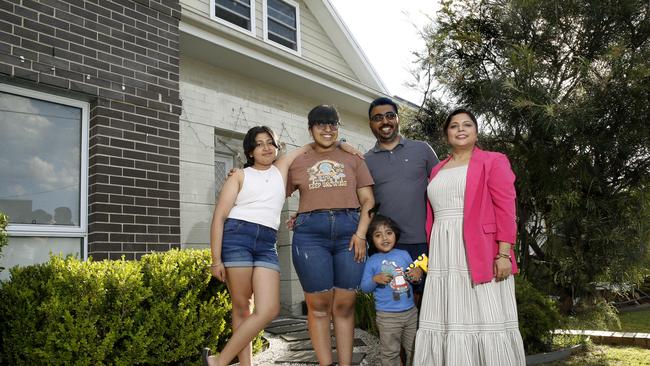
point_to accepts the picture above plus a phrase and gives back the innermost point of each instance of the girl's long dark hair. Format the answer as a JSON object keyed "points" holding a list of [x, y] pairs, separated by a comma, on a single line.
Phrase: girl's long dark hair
{"points": [[250, 144]]}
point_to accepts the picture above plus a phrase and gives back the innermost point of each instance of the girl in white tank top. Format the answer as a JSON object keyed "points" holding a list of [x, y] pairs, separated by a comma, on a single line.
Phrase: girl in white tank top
{"points": [[251, 200]]}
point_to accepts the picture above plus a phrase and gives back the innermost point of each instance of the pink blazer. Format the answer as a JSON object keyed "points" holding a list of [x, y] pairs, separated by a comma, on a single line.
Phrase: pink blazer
{"points": [[489, 212]]}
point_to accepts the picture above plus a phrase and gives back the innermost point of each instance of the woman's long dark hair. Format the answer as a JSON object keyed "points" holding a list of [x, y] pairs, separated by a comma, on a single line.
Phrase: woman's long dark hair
{"points": [[250, 144]]}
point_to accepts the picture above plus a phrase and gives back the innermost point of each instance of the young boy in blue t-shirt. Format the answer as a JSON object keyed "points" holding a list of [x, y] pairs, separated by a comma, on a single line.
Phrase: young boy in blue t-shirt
{"points": [[386, 276]]}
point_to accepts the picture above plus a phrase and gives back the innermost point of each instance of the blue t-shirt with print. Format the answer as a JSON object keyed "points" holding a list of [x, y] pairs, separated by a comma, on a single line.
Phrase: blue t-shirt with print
{"points": [[398, 294]]}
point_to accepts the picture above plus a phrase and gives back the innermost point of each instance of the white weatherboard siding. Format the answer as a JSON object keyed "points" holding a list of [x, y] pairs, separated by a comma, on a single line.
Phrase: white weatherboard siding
{"points": [[215, 98], [316, 46]]}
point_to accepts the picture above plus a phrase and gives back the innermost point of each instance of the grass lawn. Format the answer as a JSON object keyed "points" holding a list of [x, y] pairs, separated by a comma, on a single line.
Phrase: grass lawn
{"points": [[636, 321], [598, 355]]}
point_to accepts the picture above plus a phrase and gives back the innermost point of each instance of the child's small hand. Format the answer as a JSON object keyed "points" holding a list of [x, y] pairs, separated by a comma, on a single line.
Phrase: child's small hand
{"points": [[414, 274], [382, 278]]}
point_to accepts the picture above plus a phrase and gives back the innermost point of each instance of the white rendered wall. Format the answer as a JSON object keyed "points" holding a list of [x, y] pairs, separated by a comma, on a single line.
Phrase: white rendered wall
{"points": [[214, 98]]}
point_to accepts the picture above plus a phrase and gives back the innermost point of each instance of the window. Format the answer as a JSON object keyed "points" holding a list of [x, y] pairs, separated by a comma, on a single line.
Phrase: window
{"points": [[238, 14], [282, 23], [43, 175], [228, 154], [222, 165]]}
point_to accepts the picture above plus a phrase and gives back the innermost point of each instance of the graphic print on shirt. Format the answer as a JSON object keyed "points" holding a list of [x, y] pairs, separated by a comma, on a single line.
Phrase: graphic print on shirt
{"points": [[398, 283], [327, 174]]}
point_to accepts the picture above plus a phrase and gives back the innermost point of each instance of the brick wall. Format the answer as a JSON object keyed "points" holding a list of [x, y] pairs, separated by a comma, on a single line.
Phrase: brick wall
{"points": [[122, 56]]}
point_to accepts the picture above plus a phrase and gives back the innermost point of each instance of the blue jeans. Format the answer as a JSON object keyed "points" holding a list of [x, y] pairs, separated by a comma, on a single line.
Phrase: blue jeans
{"points": [[320, 252], [246, 244]]}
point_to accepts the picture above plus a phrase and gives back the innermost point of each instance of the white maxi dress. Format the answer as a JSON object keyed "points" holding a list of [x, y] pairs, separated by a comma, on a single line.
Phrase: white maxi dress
{"points": [[462, 323]]}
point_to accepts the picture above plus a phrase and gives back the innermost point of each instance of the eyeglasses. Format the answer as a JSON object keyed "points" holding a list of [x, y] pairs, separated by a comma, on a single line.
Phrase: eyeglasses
{"points": [[322, 125], [380, 117]]}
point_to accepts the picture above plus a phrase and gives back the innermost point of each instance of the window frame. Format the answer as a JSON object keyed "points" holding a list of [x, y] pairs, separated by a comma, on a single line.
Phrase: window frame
{"points": [[265, 21], [213, 16], [40, 230]]}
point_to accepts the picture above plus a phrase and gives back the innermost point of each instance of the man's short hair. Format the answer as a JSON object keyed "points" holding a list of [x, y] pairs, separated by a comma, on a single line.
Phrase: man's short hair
{"points": [[382, 101]]}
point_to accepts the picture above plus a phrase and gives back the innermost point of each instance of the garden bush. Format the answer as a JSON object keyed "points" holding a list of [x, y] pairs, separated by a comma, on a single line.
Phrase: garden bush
{"points": [[160, 310], [593, 313], [4, 237], [538, 317], [365, 314]]}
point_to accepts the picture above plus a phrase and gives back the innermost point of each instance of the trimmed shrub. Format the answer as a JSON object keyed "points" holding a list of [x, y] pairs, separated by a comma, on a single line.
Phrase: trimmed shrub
{"points": [[538, 317], [4, 237], [365, 314], [161, 310]]}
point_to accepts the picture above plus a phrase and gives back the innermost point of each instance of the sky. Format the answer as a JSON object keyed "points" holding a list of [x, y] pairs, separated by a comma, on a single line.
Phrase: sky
{"points": [[387, 31]]}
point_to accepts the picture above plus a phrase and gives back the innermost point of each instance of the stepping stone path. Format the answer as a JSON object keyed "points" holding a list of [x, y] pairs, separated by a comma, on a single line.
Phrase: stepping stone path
{"points": [[301, 349]]}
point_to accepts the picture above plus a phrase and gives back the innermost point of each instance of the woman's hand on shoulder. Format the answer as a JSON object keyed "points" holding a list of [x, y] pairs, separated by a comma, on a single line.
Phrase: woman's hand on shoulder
{"points": [[348, 148], [234, 171]]}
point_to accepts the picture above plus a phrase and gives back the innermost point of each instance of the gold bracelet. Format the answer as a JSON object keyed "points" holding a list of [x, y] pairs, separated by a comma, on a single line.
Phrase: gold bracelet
{"points": [[503, 255]]}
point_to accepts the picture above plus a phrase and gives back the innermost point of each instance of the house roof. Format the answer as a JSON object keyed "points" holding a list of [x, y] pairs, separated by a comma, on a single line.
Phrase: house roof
{"points": [[227, 48], [346, 43]]}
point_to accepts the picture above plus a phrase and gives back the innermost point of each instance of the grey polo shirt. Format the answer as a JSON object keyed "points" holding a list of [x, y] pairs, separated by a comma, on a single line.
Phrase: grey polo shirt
{"points": [[401, 177]]}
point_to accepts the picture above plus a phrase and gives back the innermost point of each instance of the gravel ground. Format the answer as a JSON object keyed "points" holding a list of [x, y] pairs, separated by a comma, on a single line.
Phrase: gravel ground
{"points": [[278, 347]]}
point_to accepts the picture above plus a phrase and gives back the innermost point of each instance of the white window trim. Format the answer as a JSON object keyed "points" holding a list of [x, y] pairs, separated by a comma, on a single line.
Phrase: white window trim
{"points": [[265, 21], [228, 24], [80, 231]]}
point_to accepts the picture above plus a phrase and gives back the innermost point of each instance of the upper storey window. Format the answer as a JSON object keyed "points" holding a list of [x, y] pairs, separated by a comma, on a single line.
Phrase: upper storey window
{"points": [[282, 24], [237, 13]]}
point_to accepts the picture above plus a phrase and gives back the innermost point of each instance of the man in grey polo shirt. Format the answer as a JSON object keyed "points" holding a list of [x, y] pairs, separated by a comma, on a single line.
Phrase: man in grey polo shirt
{"points": [[400, 168]]}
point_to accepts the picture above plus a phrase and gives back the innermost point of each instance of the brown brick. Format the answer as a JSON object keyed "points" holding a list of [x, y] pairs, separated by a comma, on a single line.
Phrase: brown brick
{"points": [[134, 210], [157, 247], [119, 237], [104, 246], [122, 254], [94, 255], [147, 219], [38, 7], [122, 219], [146, 238]]}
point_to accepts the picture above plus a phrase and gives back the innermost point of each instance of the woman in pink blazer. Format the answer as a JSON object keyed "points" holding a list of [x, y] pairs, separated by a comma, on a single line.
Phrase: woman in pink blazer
{"points": [[469, 313]]}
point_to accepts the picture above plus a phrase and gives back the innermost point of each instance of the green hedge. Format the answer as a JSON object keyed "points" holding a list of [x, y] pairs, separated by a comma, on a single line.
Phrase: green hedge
{"points": [[4, 237], [365, 314], [160, 310], [538, 317]]}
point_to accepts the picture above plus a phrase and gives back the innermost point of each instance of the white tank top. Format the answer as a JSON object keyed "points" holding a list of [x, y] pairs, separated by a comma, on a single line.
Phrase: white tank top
{"points": [[261, 197]]}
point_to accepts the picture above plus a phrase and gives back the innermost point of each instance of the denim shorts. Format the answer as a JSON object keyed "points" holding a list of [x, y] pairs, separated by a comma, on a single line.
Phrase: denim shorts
{"points": [[246, 244], [320, 250]]}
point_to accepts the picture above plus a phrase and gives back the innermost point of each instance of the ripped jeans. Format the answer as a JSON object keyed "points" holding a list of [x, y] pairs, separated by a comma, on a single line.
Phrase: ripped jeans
{"points": [[320, 252]]}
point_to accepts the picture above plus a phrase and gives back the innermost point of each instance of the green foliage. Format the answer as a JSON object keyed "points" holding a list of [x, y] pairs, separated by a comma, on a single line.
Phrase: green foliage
{"points": [[160, 310], [595, 314], [561, 87], [4, 237], [538, 317], [365, 314]]}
